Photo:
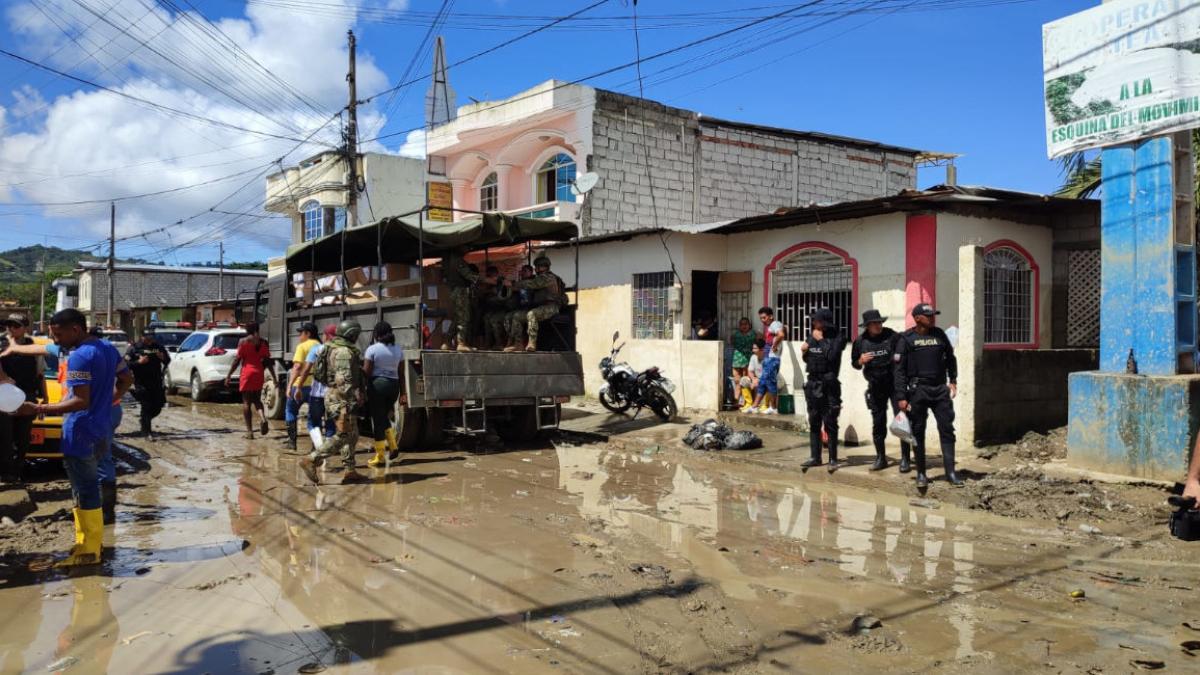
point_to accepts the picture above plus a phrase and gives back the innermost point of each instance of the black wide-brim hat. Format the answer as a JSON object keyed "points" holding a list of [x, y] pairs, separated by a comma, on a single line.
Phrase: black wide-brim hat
{"points": [[872, 316]]}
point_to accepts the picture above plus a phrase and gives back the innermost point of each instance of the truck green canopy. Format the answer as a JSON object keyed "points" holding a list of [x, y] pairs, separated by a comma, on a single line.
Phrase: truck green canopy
{"points": [[396, 240]]}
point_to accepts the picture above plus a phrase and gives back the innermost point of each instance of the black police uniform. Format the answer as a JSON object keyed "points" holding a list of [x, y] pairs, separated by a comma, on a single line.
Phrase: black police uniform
{"points": [[148, 380], [823, 390], [924, 364], [16, 431], [881, 389]]}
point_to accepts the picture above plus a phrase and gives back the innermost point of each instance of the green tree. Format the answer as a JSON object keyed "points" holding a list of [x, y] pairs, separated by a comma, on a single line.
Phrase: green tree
{"points": [[1081, 173]]}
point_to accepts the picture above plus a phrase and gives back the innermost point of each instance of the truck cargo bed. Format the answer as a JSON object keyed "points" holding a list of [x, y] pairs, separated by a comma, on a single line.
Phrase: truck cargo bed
{"points": [[496, 375]]}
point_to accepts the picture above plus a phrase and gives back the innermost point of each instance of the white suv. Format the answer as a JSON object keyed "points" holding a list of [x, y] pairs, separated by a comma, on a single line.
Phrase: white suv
{"points": [[203, 361]]}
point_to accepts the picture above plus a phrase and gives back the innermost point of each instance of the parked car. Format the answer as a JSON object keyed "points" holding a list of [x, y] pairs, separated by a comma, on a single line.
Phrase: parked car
{"points": [[170, 334], [45, 439], [202, 362], [118, 338]]}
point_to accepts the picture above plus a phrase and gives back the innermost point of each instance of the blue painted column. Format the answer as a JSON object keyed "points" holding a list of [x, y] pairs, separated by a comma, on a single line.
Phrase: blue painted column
{"points": [[1142, 424]]}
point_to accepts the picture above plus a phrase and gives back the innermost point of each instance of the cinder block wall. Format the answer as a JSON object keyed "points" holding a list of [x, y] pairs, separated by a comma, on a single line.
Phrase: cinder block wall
{"points": [[1023, 390], [165, 289], [705, 171]]}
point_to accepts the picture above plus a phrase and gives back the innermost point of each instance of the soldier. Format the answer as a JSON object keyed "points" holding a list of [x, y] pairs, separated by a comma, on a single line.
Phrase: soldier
{"points": [[548, 297], [872, 353], [925, 362], [340, 368], [147, 359], [498, 320], [491, 303], [461, 279], [822, 354]]}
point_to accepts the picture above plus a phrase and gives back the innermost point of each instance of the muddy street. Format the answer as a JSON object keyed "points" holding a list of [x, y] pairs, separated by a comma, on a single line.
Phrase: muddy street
{"points": [[571, 556]]}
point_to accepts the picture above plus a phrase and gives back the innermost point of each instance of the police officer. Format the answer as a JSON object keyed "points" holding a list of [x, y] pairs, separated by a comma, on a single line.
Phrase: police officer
{"points": [[147, 359], [822, 354], [872, 354], [340, 368], [926, 375], [549, 295]]}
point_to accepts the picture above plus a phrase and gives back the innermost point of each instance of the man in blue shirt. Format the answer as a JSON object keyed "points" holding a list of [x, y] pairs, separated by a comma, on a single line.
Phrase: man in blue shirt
{"points": [[92, 381]]}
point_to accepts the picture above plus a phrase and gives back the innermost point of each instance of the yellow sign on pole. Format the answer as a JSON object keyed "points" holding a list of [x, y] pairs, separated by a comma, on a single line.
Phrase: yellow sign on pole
{"points": [[441, 201]]}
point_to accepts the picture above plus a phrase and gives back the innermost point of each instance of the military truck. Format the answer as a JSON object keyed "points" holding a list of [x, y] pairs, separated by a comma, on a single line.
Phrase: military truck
{"points": [[389, 270]]}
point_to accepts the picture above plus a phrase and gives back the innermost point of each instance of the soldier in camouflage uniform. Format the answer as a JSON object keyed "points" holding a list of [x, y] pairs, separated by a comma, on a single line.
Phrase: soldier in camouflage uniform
{"points": [[518, 301], [461, 279], [548, 297], [340, 367]]}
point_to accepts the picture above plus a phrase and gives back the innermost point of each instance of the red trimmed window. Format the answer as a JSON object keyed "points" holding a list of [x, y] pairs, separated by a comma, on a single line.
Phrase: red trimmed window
{"points": [[1010, 287], [812, 276]]}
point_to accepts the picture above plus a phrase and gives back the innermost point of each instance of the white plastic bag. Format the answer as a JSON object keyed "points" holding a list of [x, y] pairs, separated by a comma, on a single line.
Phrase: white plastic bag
{"points": [[11, 398], [901, 427]]}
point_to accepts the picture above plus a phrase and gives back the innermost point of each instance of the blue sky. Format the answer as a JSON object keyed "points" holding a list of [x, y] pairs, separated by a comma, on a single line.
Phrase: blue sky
{"points": [[965, 79]]}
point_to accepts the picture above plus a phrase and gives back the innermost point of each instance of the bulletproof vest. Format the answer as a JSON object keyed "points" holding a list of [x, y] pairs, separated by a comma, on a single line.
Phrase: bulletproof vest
{"points": [[817, 359], [881, 347], [551, 293], [926, 355]]}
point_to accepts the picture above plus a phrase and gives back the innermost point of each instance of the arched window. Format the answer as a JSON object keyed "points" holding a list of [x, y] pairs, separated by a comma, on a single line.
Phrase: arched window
{"points": [[1009, 296], [311, 215], [808, 277], [319, 221], [489, 193], [554, 180]]}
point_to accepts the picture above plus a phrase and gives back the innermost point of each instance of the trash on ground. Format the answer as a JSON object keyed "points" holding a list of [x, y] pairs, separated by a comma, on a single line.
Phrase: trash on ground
{"points": [[864, 622], [1078, 594], [62, 664], [135, 636], [1147, 664], [310, 668], [1089, 529], [713, 435]]}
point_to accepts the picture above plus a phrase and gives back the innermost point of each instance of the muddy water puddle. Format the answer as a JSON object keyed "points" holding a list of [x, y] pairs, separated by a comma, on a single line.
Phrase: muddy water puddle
{"points": [[576, 559]]}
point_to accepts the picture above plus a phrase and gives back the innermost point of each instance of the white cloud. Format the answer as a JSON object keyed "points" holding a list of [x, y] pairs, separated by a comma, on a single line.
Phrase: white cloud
{"points": [[414, 145], [93, 132]]}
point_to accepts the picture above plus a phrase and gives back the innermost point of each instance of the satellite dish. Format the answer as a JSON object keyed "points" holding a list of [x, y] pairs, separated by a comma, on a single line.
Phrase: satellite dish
{"points": [[584, 183]]}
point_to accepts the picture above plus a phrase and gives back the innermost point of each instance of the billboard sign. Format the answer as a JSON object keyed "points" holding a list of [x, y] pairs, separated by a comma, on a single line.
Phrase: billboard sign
{"points": [[1119, 72], [440, 197]]}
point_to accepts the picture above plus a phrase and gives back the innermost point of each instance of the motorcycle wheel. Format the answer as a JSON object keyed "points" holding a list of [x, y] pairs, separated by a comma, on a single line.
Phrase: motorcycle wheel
{"points": [[662, 403], [617, 406]]}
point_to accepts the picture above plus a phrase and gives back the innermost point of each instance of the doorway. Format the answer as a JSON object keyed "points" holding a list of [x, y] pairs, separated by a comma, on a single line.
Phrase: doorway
{"points": [[705, 300]]}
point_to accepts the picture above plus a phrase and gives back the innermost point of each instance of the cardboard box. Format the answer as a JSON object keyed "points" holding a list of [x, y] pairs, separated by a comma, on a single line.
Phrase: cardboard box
{"points": [[302, 286], [358, 277], [360, 298], [329, 283]]}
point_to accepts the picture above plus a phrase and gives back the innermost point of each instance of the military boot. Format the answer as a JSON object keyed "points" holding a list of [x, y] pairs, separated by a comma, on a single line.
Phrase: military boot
{"points": [[881, 462], [814, 444], [948, 464], [922, 479], [905, 461], [108, 502], [291, 435], [145, 427], [834, 464]]}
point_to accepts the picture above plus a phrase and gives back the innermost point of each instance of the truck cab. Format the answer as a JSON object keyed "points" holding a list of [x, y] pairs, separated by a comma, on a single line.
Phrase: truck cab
{"points": [[390, 271]]}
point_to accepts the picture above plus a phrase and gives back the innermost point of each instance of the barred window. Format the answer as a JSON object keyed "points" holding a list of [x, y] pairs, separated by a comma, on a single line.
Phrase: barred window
{"points": [[1008, 302], [651, 314], [313, 217], [812, 279], [489, 194]]}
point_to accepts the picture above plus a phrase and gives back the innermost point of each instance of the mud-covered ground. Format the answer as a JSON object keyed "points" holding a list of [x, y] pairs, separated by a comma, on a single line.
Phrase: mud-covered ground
{"points": [[569, 556]]}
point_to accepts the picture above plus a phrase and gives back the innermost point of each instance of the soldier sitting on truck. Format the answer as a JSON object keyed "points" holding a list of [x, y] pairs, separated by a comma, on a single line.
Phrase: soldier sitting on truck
{"points": [[549, 295], [491, 302], [516, 306]]}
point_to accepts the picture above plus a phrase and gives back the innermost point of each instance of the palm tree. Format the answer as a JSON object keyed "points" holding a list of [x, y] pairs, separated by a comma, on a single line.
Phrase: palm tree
{"points": [[1081, 173]]}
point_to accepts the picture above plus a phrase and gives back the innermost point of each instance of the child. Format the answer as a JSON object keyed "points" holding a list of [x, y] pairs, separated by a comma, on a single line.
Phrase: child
{"points": [[764, 376]]}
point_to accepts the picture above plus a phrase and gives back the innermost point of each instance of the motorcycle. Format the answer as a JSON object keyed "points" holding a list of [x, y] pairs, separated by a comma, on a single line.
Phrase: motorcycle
{"points": [[624, 387]]}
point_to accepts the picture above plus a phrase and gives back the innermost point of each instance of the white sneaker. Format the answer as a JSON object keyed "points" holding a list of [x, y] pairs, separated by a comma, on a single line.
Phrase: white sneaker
{"points": [[751, 411], [745, 409], [770, 411]]}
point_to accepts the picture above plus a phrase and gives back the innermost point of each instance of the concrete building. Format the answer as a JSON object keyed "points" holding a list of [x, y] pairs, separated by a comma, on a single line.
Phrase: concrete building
{"points": [[1014, 274], [66, 293], [658, 166], [313, 193], [142, 290]]}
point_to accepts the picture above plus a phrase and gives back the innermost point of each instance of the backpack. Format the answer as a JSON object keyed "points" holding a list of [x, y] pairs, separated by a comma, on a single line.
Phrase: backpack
{"points": [[322, 372]]}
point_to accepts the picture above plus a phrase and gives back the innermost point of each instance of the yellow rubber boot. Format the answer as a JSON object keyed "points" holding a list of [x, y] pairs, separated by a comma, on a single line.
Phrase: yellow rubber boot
{"points": [[380, 457], [392, 445], [78, 528], [748, 397], [91, 528]]}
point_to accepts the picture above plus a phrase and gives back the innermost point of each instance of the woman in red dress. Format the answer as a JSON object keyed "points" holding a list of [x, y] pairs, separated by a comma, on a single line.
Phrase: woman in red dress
{"points": [[252, 353]]}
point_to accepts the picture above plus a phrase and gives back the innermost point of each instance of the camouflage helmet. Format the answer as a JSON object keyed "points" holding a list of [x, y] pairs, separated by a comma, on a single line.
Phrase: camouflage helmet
{"points": [[349, 330], [541, 261]]}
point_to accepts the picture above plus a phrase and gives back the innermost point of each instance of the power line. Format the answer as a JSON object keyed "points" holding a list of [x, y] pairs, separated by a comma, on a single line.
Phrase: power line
{"points": [[146, 102]]}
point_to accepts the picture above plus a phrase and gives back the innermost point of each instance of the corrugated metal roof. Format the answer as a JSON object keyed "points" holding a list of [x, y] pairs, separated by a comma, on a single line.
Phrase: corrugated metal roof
{"points": [[87, 265]]}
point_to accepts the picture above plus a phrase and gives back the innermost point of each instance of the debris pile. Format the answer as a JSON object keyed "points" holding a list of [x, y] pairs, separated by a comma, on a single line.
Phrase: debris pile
{"points": [[713, 435]]}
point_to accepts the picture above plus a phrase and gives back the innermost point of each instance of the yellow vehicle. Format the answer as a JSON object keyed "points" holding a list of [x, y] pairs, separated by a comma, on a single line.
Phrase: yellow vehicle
{"points": [[47, 431]]}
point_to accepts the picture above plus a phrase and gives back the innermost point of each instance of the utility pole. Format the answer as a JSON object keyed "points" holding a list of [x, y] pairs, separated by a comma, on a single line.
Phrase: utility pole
{"points": [[41, 268], [112, 261], [352, 140], [221, 271]]}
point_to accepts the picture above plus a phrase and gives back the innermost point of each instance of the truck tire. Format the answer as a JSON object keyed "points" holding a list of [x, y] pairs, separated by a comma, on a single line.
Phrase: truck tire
{"points": [[521, 427], [410, 425], [433, 433], [272, 397]]}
